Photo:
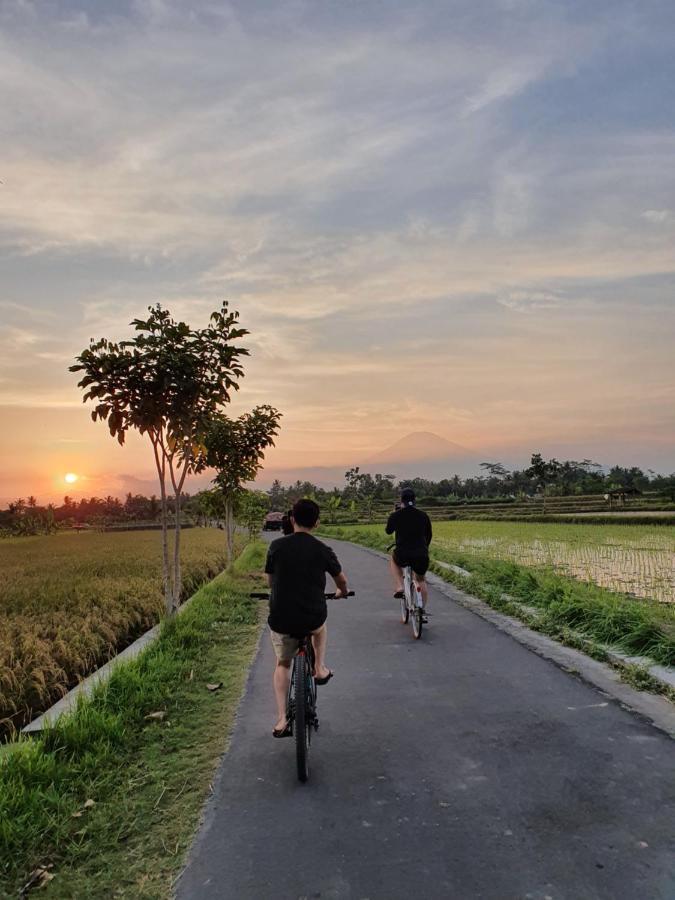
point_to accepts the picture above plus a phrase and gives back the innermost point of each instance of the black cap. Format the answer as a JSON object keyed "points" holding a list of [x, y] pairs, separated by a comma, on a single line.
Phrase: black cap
{"points": [[407, 495]]}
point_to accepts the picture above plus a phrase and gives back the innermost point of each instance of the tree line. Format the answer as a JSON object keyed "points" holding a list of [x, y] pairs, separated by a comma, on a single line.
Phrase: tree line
{"points": [[229, 501], [543, 477]]}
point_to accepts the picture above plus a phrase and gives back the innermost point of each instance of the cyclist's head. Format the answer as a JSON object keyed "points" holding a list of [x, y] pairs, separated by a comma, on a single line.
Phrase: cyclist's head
{"points": [[305, 513], [408, 497]]}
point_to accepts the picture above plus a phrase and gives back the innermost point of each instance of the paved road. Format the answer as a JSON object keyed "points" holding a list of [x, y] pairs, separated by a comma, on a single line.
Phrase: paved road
{"points": [[461, 766]]}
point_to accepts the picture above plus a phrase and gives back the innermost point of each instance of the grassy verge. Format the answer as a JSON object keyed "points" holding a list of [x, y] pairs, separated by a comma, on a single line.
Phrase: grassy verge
{"points": [[147, 777], [564, 605]]}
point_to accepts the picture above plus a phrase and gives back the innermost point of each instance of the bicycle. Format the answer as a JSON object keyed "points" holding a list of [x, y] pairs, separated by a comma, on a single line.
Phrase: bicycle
{"points": [[412, 605], [301, 701]]}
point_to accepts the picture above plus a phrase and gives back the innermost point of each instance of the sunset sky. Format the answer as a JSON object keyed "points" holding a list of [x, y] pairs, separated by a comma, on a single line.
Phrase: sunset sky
{"points": [[456, 217]]}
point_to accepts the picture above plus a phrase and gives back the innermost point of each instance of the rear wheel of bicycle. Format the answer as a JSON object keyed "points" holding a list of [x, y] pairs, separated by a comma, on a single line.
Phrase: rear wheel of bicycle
{"points": [[417, 614], [302, 723], [404, 609], [417, 624]]}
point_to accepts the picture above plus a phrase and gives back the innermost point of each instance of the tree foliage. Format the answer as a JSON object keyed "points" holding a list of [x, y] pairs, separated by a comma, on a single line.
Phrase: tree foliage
{"points": [[168, 382]]}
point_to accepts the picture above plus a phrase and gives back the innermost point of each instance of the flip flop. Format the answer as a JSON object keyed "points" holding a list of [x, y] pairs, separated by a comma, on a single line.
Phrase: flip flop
{"points": [[324, 680], [398, 595], [282, 732]]}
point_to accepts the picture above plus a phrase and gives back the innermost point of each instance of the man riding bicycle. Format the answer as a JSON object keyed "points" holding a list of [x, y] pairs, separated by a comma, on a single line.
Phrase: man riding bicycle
{"points": [[412, 528], [296, 569]]}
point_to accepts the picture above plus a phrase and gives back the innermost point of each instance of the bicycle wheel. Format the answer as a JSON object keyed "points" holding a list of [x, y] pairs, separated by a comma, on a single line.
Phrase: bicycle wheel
{"points": [[417, 623], [406, 605], [404, 609], [417, 610], [302, 718]]}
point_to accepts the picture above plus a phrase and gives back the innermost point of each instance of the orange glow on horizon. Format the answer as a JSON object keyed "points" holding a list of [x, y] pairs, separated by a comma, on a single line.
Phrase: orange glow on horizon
{"points": [[70, 478]]}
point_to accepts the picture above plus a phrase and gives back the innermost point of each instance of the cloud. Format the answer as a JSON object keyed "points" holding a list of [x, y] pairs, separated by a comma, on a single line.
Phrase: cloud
{"points": [[658, 216], [366, 185], [529, 301]]}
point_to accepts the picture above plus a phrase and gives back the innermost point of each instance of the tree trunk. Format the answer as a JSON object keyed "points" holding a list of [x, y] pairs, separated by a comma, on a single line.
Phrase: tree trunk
{"points": [[177, 574], [229, 530], [166, 571]]}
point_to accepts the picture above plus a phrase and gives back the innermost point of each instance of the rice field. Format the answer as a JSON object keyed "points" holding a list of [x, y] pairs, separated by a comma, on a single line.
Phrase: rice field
{"points": [[633, 559], [69, 601]]}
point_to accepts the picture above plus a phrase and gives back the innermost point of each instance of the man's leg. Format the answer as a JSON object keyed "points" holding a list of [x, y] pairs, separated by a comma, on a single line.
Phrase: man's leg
{"points": [[319, 641], [397, 573], [281, 679]]}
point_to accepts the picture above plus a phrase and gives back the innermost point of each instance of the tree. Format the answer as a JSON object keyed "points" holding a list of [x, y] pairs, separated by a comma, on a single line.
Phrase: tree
{"points": [[333, 503], [168, 382], [235, 449], [496, 470], [252, 508], [543, 472], [277, 495]]}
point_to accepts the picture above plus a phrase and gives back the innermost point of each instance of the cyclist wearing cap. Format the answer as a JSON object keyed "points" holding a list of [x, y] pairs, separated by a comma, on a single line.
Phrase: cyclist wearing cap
{"points": [[412, 528]]}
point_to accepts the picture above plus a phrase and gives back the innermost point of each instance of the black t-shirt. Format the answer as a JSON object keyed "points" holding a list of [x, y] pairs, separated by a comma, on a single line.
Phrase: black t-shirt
{"points": [[412, 527], [298, 565]]}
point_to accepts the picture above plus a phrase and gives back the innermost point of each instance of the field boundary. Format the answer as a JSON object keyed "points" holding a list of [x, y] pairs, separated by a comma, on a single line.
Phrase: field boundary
{"points": [[607, 677]]}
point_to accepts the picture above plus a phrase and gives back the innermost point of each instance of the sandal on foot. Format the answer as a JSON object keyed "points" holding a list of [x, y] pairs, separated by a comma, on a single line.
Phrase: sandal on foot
{"points": [[324, 680], [398, 595], [282, 732]]}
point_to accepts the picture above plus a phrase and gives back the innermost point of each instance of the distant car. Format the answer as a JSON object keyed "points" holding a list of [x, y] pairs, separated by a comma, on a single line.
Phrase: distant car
{"points": [[273, 521]]}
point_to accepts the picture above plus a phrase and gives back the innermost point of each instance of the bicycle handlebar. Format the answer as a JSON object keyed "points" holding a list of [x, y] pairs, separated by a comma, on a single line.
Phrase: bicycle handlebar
{"points": [[261, 595]]}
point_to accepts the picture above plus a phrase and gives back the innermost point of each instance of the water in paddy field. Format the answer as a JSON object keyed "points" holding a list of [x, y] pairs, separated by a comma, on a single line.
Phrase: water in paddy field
{"points": [[644, 567]]}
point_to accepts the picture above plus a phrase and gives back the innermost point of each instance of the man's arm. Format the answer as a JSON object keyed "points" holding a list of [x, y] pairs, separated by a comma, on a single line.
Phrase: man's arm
{"points": [[341, 584], [269, 565], [334, 569], [428, 533], [391, 525]]}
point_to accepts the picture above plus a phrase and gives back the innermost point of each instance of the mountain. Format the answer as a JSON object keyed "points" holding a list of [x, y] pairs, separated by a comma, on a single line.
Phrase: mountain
{"points": [[424, 454], [419, 454], [420, 446]]}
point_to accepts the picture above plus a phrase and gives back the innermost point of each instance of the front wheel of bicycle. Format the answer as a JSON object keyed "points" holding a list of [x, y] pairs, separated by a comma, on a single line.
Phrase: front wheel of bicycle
{"points": [[302, 723]]}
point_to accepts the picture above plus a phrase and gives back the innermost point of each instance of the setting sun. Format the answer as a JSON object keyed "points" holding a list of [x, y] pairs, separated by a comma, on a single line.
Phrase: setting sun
{"points": [[70, 477]]}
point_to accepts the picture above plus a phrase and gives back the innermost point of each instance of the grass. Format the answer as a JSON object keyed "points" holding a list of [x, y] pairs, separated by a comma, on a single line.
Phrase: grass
{"points": [[564, 605], [148, 778], [69, 601]]}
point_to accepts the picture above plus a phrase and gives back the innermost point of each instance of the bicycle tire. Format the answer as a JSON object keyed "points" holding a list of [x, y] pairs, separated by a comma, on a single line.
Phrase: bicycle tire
{"points": [[404, 610], [302, 724], [417, 621]]}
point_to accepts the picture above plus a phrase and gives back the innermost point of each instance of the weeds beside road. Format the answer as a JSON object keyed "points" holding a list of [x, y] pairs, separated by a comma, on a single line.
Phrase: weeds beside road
{"points": [[143, 749]]}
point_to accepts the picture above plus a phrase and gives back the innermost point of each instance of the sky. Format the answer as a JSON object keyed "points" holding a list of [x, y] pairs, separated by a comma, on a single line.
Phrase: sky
{"points": [[455, 217]]}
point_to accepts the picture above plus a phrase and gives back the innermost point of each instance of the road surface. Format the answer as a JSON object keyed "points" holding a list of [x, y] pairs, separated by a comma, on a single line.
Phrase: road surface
{"points": [[460, 766]]}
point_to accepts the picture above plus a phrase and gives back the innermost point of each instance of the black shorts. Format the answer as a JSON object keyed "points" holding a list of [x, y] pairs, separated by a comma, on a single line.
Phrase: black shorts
{"points": [[418, 560]]}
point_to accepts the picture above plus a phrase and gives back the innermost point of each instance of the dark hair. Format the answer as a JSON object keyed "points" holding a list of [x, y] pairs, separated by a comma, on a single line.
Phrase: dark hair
{"points": [[407, 496], [306, 513]]}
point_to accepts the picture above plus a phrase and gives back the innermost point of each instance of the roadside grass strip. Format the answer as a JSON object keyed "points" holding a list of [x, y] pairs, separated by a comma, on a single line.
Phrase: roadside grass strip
{"points": [[105, 802], [579, 614]]}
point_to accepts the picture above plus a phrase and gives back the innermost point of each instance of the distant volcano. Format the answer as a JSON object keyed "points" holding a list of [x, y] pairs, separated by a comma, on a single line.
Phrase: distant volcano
{"points": [[424, 454], [420, 454], [418, 446]]}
